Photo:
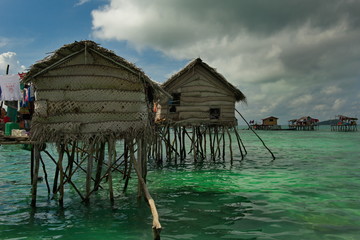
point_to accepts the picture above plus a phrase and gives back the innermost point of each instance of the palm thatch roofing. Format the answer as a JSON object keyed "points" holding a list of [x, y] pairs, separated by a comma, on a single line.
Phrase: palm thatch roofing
{"points": [[68, 50], [239, 96]]}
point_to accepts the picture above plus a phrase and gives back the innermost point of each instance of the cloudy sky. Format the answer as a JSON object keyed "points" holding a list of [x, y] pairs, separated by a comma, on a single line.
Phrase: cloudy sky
{"points": [[290, 58]]}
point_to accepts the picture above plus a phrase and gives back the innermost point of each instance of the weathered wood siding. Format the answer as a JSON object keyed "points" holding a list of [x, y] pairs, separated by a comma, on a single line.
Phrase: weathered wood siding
{"points": [[89, 94], [200, 92], [270, 121]]}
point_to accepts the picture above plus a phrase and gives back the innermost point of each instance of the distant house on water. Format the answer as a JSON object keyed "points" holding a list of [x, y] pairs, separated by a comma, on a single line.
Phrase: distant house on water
{"points": [[305, 123], [269, 123], [345, 124]]}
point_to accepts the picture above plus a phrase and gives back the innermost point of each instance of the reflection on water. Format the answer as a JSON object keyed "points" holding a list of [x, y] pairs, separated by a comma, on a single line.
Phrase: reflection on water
{"points": [[309, 192]]}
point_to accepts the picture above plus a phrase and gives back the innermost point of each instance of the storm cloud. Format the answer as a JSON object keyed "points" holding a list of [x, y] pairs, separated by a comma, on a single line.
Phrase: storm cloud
{"points": [[290, 58]]}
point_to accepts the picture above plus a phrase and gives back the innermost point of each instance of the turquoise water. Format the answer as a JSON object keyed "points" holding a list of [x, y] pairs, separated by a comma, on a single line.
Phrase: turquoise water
{"points": [[311, 191]]}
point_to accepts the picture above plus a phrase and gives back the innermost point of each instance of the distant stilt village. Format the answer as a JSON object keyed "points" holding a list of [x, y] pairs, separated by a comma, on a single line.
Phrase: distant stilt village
{"points": [[85, 100], [307, 123]]}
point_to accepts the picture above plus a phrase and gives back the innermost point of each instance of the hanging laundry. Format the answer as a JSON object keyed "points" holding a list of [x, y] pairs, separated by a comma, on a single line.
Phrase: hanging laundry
{"points": [[10, 88]]}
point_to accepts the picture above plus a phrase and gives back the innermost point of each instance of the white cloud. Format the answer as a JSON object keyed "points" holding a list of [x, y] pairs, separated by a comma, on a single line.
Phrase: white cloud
{"points": [[81, 2], [331, 90], [287, 60], [4, 41], [320, 107], [302, 100], [338, 104], [9, 58]]}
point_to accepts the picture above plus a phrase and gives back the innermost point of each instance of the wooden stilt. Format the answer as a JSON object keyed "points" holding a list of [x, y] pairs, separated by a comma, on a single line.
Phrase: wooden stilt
{"points": [[71, 158], [111, 156], [138, 165], [211, 144], [89, 171], [35, 175], [183, 155], [217, 141], [128, 175], [32, 158], [193, 144], [99, 167], [223, 142], [239, 144], [230, 146], [61, 172], [45, 174], [175, 143]]}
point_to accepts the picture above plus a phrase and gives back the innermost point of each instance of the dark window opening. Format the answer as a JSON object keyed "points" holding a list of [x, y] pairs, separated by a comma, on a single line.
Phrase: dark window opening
{"points": [[214, 113], [176, 99], [172, 109]]}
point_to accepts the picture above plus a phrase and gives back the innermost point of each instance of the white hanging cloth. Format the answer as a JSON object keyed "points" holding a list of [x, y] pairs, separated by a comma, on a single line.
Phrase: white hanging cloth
{"points": [[10, 88]]}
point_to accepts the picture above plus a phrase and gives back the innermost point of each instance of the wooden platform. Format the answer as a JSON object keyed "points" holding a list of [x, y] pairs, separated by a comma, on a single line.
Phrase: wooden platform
{"points": [[9, 140]]}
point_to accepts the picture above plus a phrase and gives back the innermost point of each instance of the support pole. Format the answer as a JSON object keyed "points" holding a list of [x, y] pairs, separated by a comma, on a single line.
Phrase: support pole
{"points": [[89, 171], [61, 171], [112, 156], [35, 175], [230, 146]]}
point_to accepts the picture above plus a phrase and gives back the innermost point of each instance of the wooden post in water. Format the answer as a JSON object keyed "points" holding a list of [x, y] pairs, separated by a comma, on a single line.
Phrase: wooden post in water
{"points": [[89, 171], [156, 223], [61, 171], [35, 174], [111, 156], [230, 146]]}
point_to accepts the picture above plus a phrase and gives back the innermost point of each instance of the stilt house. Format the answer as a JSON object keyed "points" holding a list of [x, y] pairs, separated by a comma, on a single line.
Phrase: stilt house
{"points": [[304, 123], [269, 123], [201, 95], [87, 97], [202, 106], [84, 91], [345, 124]]}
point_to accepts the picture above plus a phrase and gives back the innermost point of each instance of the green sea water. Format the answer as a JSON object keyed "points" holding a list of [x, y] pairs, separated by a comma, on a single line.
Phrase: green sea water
{"points": [[311, 191]]}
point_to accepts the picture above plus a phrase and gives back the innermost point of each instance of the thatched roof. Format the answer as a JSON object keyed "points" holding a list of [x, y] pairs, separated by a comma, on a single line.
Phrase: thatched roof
{"points": [[69, 50], [239, 96]]}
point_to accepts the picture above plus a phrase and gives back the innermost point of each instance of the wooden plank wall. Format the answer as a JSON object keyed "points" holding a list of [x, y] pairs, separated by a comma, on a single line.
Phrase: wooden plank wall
{"points": [[200, 91], [89, 89]]}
